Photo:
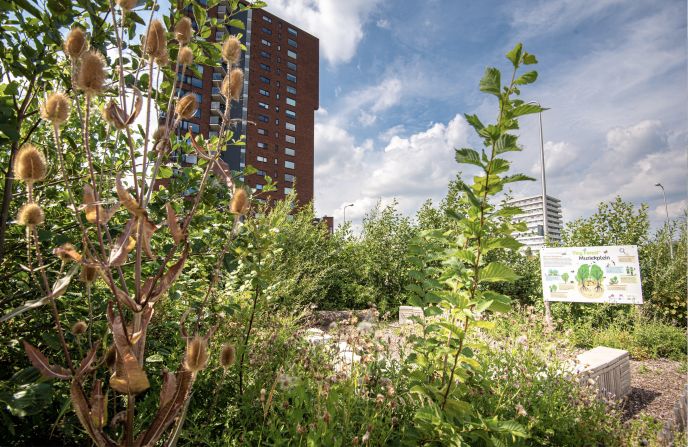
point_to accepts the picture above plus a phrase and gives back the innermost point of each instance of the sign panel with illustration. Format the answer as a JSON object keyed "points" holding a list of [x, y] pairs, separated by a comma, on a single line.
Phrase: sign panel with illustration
{"points": [[591, 274]]}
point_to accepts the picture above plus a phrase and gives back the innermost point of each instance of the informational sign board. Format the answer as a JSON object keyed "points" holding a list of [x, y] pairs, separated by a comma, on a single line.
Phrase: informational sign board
{"points": [[608, 274]]}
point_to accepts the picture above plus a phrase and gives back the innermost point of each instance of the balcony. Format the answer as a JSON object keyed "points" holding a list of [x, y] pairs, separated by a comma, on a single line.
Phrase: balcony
{"points": [[216, 93], [215, 122], [216, 108]]}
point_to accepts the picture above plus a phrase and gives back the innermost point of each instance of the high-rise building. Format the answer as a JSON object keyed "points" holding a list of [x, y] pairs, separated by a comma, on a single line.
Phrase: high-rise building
{"points": [[532, 215], [276, 112]]}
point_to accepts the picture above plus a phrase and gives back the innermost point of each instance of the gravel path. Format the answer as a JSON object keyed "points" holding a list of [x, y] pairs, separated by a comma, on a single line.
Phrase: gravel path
{"points": [[656, 386]]}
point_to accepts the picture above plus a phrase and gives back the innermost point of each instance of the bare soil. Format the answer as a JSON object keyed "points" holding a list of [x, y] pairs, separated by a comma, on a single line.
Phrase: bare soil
{"points": [[656, 386]]}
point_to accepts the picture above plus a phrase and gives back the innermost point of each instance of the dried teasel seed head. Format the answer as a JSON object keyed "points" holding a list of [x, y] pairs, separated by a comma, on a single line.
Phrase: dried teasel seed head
{"points": [[91, 76], [114, 115], [79, 328], [228, 355], [231, 50], [159, 133], [185, 56], [56, 108], [29, 164], [127, 5], [163, 59], [183, 31], [156, 43], [30, 215], [89, 273], [75, 44], [196, 356], [186, 107], [240, 204], [232, 85]]}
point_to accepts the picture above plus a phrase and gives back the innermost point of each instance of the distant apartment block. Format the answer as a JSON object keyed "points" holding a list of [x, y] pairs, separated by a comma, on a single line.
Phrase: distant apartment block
{"points": [[532, 215], [277, 111]]}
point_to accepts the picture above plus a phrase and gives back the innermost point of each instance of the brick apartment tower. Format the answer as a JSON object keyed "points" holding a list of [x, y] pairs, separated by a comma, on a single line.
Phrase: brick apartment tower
{"points": [[276, 112]]}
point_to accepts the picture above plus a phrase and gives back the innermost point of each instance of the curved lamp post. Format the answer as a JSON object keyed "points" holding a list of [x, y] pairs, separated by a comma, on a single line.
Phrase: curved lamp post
{"points": [[666, 209], [345, 207]]}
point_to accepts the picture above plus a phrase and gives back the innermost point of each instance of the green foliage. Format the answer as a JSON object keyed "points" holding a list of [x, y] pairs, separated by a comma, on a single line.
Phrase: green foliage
{"points": [[452, 270]]}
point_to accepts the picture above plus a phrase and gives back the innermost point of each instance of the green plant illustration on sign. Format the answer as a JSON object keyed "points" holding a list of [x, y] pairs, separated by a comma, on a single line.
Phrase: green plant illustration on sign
{"points": [[589, 278], [565, 277], [553, 288], [614, 280]]}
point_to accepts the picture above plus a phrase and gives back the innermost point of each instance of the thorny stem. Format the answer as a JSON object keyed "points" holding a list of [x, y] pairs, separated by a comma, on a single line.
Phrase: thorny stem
{"points": [[476, 264]]}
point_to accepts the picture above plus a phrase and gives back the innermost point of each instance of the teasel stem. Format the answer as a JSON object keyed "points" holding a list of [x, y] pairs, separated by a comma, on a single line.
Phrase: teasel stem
{"points": [[90, 314], [29, 261], [146, 137], [256, 296], [53, 306]]}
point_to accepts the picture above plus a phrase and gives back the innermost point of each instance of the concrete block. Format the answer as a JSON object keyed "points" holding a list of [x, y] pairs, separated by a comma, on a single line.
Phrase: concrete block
{"points": [[609, 368], [406, 312]]}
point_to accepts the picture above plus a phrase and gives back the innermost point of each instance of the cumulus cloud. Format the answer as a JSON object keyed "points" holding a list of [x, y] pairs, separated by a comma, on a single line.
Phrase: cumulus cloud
{"points": [[338, 25], [409, 169]]}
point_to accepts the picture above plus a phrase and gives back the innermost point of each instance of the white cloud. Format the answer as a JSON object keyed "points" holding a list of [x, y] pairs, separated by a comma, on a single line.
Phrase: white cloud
{"points": [[408, 169], [338, 24], [383, 23], [366, 119]]}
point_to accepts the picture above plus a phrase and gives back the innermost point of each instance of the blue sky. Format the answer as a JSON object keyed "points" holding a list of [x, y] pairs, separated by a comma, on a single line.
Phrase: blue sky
{"points": [[396, 77]]}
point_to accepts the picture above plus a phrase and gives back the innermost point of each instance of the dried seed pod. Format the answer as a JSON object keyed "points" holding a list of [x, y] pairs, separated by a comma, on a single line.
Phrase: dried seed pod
{"points": [[75, 44], [231, 50], [196, 356], [159, 133], [30, 215], [186, 107], [240, 203], [130, 378], [228, 355], [67, 252], [156, 43], [185, 56], [29, 164], [111, 357], [56, 108], [91, 76], [163, 59], [232, 85], [79, 328], [183, 31], [126, 5], [114, 115], [89, 273]]}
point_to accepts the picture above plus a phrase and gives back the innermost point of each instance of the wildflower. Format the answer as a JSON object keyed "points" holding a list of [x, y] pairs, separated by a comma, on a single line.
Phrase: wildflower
{"points": [[183, 31], [79, 328], [56, 108], [333, 326], [156, 44], [365, 326], [196, 356], [29, 164], [186, 107], [355, 441], [185, 56], [286, 381], [390, 391], [231, 50], [379, 399], [228, 355], [521, 411], [262, 394], [366, 436], [91, 76], [30, 215], [326, 417], [522, 340], [75, 44], [591, 381], [240, 204], [300, 429]]}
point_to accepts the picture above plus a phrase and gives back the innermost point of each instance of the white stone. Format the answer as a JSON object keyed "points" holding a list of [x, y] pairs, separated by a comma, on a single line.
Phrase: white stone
{"points": [[316, 336], [406, 312], [608, 368]]}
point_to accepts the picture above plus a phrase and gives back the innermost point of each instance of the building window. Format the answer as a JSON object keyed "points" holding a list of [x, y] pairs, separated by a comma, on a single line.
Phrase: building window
{"points": [[259, 187], [265, 80], [291, 65], [293, 43], [291, 90], [265, 42], [291, 101], [292, 31], [289, 151], [262, 131], [290, 126], [265, 67], [290, 113], [289, 178], [261, 173], [262, 105], [262, 145], [219, 35], [193, 127], [217, 76], [264, 92], [263, 119], [289, 164], [265, 54], [288, 190], [262, 159], [266, 31], [291, 77], [290, 139], [291, 54], [267, 19]]}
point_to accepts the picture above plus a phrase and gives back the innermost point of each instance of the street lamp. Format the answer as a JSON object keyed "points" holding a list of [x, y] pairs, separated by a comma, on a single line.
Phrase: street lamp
{"points": [[666, 209], [345, 207]]}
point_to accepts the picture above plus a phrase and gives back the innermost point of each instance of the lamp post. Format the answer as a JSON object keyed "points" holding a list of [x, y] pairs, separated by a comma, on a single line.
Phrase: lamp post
{"points": [[345, 207], [666, 210]]}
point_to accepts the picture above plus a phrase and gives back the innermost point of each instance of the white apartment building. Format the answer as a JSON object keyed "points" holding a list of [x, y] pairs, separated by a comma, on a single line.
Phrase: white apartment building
{"points": [[532, 215]]}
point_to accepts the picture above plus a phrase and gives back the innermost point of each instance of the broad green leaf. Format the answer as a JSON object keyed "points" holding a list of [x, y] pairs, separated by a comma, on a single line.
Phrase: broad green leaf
{"points": [[529, 59], [474, 121], [482, 305], [491, 81], [500, 303], [468, 156], [515, 55], [504, 242], [506, 143], [526, 78], [236, 23], [516, 178], [432, 311], [526, 109], [496, 272]]}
